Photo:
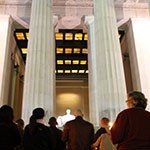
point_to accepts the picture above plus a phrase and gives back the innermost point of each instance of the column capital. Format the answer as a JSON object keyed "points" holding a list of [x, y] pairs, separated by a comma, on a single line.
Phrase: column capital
{"points": [[88, 19]]}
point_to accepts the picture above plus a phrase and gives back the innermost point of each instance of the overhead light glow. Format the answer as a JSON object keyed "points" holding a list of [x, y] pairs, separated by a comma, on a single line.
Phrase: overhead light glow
{"points": [[27, 35], [83, 62], [84, 51], [20, 36], [24, 50], [68, 62], [59, 36], [68, 50], [68, 36], [85, 37], [78, 36], [59, 51], [60, 71], [81, 71], [76, 50], [67, 71], [74, 71], [60, 62], [75, 62]]}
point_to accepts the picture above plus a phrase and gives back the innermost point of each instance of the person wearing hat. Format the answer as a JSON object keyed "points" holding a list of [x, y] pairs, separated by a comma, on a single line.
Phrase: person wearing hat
{"points": [[56, 133], [131, 128]]}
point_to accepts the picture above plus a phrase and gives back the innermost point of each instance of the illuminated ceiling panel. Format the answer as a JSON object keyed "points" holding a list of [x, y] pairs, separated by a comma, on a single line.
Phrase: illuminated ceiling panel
{"points": [[68, 62], [24, 50], [81, 71], [85, 51], [59, 50], [27, 36], [76, 50], [78, 36], [75, 62], [60, 62], [20, 36], [68, 50], [83, 62], [59, 36], [60, 71], [68, 36], [67, 71], [74, 71], [86, 37]]}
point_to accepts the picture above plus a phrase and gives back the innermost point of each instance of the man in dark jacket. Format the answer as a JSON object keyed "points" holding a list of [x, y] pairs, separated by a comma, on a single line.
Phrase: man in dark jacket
{"points": [[56, 133], [78, 133]]}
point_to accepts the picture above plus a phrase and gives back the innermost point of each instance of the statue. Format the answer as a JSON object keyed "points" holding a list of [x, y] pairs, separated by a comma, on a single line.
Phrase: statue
{"points": [[65, 118]]}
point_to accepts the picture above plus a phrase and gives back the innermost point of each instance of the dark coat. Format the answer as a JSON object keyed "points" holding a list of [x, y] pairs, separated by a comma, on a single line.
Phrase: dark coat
{"points": [[131, 130], [9, 136], [57, 142], [99, 132], [41, 140], [79, 134]]}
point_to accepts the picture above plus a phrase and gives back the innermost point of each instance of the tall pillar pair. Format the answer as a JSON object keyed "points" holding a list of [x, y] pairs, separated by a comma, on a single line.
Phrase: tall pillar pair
{"points": [[106, 78]]}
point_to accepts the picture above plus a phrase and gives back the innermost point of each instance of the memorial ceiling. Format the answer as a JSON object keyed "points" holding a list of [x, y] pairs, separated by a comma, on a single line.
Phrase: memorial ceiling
{"points": [[69, 60]]}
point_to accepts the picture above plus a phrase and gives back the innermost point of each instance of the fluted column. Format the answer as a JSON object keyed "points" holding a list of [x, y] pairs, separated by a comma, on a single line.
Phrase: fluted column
{"points": [[6, 51], [108, 75], [93, 100], [39, 73]]}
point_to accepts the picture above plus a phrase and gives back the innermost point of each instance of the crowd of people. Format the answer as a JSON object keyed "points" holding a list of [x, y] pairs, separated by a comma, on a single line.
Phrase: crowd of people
{"points": [[130, 130]]}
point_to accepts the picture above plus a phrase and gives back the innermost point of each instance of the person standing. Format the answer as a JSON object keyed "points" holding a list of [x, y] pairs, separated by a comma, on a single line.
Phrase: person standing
{"points": [[131, 128], [104, 122], [20, 125], [37, 136], [78, 133], [9, 133], [103, 142], [56, 133]]}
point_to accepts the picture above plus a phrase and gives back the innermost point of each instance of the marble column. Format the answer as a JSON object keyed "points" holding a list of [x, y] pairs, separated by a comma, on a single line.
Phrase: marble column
{"points": [[6, 50], [39, 81], [93, 107], [149, 6], [138, 35], [106, 73]]}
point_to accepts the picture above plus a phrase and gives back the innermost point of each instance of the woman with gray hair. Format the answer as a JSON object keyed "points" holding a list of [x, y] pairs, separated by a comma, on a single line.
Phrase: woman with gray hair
{"points": [[131, 128]]}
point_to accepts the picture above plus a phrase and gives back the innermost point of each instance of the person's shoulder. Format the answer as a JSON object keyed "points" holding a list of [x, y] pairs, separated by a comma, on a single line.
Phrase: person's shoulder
{"points": [[133, 111], [126, 111], [41, 127], [105, 135], [26, 127], [58, 130], [69, 123], [130, 110], [101, 129], [88, 123]]}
